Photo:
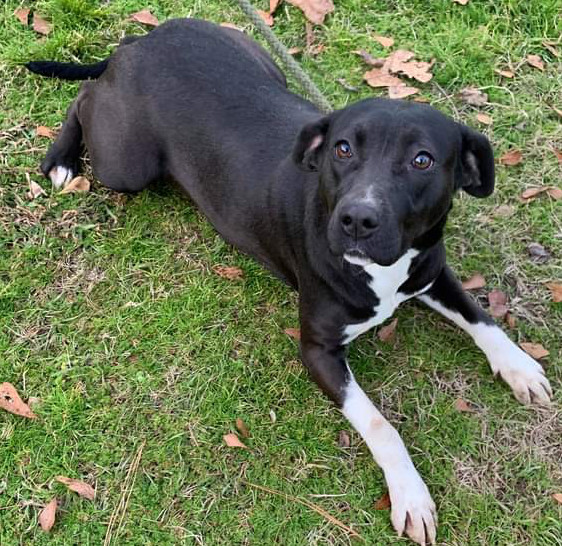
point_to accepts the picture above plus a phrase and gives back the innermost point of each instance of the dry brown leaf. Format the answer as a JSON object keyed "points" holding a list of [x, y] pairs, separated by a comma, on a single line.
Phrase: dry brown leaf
{"points": [[43, 131], [47, 515], [82, 488], [294, 50], [77, 184], [273, 5], [144, 17], [511, 320], [314, 10], [401, 62], [535, 61], [40, 25], [376, 77], [558, 154], [536, 350], [554, 192], [484, 118], [551, 46], [473, 96], [401, 91], [35, 190], [513, 157], [383, 503], [10, 401], [230, 273], [266, 16], [23, 15], [557, 497], [385, 41], [231, 440], [242, 428], [504, 210], [504, 73], [463, 406], [531, 193], [232, 26], [498, 304], [556, 291], [387, 333], [369, 59], [295, 333], [343, 439], [476, 281]]}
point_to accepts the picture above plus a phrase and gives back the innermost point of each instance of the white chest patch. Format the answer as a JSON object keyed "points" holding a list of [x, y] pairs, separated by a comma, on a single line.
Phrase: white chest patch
{"points": [[385, 282]]}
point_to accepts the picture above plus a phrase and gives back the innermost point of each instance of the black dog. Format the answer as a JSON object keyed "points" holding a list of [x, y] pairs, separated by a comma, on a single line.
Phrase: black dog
{"points": [[348, 208]]}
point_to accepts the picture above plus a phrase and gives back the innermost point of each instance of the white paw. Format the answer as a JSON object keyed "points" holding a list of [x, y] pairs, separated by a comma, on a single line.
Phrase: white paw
{"points": [[523, 374], [413, 509], [60, 176]]}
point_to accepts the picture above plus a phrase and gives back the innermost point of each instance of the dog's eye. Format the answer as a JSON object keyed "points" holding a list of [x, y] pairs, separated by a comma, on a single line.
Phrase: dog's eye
{"points": [[343, 149], [422, 161]]}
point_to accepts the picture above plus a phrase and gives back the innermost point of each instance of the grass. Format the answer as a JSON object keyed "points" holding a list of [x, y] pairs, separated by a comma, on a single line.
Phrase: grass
{"points": [[111, 315]]}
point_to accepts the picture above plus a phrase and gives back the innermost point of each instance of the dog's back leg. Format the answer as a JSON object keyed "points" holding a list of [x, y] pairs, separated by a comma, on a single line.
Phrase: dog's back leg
{"points": [[61, 163]]}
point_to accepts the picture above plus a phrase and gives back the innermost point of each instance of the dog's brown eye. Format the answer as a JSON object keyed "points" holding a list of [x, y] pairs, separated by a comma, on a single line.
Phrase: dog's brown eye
{"points": [[422, 161], [343, 149]]}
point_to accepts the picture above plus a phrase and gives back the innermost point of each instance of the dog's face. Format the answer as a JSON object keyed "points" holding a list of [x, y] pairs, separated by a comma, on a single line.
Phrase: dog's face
{"points": [[388, 172]]}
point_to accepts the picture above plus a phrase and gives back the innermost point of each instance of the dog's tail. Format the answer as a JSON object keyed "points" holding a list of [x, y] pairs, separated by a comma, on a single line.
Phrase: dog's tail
{"points": [[68, 71]]}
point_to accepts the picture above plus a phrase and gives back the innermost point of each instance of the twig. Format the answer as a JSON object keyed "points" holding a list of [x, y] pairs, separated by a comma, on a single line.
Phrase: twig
{"points": [[308, 504]]}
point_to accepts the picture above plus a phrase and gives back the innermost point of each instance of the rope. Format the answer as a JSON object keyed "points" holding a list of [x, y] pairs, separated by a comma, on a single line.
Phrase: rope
{"points": [[280, 50]]}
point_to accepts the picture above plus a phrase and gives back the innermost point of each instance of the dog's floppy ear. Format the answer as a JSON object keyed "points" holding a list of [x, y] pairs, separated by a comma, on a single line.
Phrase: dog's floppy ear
{"points": [[476, 163], [310, 143]]}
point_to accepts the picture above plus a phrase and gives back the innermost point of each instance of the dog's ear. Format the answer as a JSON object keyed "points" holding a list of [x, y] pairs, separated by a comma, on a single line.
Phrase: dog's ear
{"points": [[476, 163], [310, 144]]}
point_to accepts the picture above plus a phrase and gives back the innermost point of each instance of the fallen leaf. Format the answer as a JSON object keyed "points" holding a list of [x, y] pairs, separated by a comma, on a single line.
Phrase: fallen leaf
{"points": [[401, 62], [556, 291], [10, 401], [383, 503], [384, 40], [343, 439], [232, 26], [144, 17], [23, 15], [511, 320], [536, 350], [551, 47], [473, 96], [387, 333], [266, 16], [40, 25], [316, 49], [35, 190], [498, 304], [295, 333], [476, 281], [504, 211], [77, 184], [83, 489], [463, 406], [43, 131], [558, 154], [513, 157], [294, 50], [535, 61], [369, 59], [377, 77], [557, 497], [230, 273], [504, 73], [242, 428], [401, 91], [272, 416], [538, 253], [423, 100], [273, 5], [47, 515], [484, 118], [531, 193], [231, 440], [314, 10], [554, 192]]}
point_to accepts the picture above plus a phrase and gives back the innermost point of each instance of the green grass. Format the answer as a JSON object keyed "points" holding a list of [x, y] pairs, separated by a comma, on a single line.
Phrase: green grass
{"points": [[111, 315]]}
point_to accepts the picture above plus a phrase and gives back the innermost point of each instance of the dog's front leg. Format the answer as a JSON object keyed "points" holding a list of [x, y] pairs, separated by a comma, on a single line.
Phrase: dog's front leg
{"points": [[523, 374], [413, 509]]}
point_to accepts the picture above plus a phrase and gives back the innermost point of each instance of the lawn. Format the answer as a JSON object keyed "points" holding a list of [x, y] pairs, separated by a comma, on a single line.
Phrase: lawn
{"points": [[112, 316]]}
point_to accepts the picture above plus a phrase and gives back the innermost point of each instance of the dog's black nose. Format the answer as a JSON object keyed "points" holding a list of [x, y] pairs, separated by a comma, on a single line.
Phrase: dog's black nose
{"points": [[358, 220]]}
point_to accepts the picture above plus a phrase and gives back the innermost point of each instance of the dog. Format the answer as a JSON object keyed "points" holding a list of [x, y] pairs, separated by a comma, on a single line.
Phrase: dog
{"points": [[347, 208]]}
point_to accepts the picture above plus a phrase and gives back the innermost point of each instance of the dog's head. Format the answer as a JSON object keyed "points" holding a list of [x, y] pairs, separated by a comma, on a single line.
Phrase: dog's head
{"points": [[388, 172]]}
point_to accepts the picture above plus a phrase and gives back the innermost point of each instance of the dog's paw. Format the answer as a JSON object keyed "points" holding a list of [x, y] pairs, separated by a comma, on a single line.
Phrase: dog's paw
{"points": [[524, 375], [60, 176], [412, 508]]}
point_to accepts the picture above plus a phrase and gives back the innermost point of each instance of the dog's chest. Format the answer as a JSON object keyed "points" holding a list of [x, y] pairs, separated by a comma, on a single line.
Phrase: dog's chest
{"points": [[384, 282]]}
